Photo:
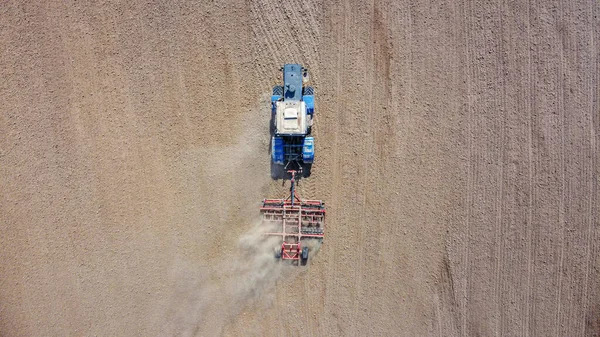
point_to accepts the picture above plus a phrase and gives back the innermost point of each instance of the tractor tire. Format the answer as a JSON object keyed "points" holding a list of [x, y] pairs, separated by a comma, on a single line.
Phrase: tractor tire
{"points": [[306, 168], [278, 90], [278, 172], [308, 91]]}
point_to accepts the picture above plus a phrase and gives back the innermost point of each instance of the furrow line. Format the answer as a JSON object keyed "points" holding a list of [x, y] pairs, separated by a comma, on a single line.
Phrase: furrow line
{"points": [[561, 205], [500, 201], [470, 186], [529, 310]]}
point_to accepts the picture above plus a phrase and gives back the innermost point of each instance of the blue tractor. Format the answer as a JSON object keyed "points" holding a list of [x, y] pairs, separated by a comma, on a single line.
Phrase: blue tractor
{"points": [[292, 112]]}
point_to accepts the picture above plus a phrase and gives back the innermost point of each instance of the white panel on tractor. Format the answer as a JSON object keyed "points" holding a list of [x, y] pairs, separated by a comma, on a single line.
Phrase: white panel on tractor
{"points": [[291, 118], [290, 113]]}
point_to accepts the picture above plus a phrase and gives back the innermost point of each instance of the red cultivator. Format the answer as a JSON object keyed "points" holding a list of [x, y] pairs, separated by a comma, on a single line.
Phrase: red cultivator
{"points": [[298, 221]]}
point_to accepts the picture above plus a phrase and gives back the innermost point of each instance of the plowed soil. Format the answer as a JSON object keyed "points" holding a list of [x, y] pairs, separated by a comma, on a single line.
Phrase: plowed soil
{"points": [[457, 150]]}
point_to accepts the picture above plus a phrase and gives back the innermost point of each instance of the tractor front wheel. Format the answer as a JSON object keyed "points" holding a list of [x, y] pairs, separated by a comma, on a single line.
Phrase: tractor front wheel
{"points": [[278, 90]]}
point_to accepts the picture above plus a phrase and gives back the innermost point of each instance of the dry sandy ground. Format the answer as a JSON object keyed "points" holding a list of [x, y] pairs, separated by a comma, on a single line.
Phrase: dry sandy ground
{"points": [[457, 151]]}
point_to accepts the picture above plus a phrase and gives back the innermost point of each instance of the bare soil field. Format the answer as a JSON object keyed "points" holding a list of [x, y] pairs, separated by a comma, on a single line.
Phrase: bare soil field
{"points": [[456, 150]]}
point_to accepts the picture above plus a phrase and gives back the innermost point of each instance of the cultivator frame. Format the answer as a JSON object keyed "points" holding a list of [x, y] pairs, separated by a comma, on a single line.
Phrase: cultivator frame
{"points": [[299, 219]]}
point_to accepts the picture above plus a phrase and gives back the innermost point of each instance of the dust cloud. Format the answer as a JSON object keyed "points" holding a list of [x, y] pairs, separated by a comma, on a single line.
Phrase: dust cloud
{"points": [[208, 300], [207, 294]]}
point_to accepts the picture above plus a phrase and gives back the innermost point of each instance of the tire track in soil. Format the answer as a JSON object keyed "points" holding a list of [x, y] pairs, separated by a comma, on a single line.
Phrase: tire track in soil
{"points": [[260, 31], [448, 305], [548, 233], [489, 139], [365, 221], [361, 220], [578, 153], [529, 309], [492, 154], [561, 205], [470, 175], [295, 11], [330, 124], [535, 126], [481, 125], [538, 195], [499, 202], [591, 178], [515, 183]]}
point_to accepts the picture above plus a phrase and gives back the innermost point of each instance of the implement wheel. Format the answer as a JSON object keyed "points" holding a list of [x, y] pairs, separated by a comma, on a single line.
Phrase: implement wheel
{"points": [[304, 256]]}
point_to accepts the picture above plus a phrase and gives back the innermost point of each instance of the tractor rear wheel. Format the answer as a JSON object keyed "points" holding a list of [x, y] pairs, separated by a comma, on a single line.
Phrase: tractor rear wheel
{"points": [[277, 171], [308, 91], [306, 168]]}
